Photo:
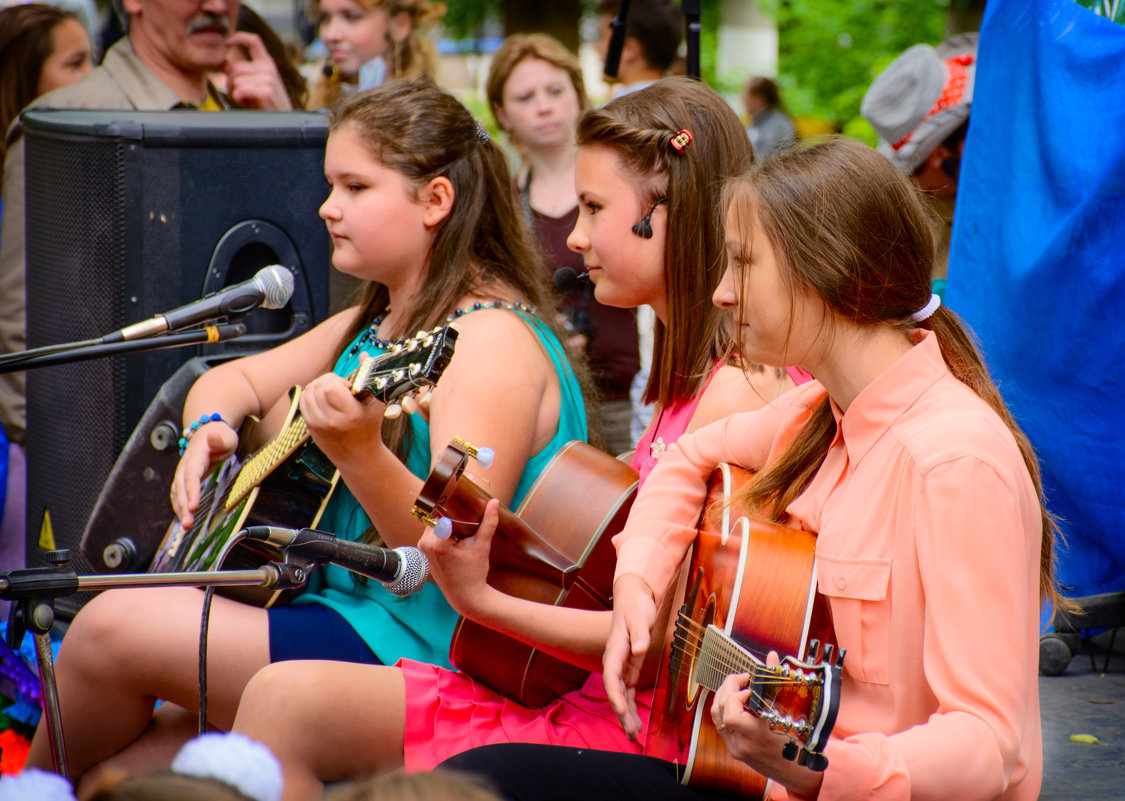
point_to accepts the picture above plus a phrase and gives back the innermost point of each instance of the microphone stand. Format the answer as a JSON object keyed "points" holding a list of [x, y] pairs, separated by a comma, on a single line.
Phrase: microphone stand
{"points": [[692, 11], [84, 350], [33, 591]]}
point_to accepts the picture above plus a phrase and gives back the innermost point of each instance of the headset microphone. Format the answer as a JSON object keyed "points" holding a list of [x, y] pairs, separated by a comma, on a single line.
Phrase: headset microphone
{"points": [[566, 279], [643, 227]]}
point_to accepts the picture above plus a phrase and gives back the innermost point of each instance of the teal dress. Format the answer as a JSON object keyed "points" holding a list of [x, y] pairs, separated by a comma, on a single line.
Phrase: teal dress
{"points": [[420, 626]]}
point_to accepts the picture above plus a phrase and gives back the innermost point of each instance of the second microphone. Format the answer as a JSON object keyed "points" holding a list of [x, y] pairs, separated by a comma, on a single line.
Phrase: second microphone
{"points": [[402, 571]]}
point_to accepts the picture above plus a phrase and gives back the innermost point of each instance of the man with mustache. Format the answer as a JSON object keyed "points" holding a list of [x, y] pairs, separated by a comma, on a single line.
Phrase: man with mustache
{"points": [[161, 63]]}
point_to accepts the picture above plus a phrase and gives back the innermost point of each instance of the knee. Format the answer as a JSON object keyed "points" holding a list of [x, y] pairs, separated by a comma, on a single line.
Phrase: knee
{"points": [[278, 696]]}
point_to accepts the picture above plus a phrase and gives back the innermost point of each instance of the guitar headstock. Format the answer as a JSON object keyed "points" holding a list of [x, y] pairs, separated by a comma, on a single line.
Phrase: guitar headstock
{"points": [[800, 699], [444, 484], [411, 364]]}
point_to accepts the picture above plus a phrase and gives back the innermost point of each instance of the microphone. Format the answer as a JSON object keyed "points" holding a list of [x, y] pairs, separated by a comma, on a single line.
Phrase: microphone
{"points": [[616, 41], [271, 288], [566, 279], [402, 571]]}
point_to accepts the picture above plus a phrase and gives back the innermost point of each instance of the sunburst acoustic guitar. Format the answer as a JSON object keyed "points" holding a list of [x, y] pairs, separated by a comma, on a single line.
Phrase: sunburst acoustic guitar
{"points": [[751, 589]]}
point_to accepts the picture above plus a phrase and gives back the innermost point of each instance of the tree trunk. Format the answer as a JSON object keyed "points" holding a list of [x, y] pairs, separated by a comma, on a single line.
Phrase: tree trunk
{"points": [[964, 16], [559, 18]]}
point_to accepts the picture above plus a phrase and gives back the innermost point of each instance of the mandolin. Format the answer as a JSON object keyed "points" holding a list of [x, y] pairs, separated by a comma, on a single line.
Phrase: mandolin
{"points": [[751, 590]]}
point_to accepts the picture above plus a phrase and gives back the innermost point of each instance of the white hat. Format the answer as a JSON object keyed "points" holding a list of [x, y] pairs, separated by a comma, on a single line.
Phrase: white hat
{"points": [[921, 98]]}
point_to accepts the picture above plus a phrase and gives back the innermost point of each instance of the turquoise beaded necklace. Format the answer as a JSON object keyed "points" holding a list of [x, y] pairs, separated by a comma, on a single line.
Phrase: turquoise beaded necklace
{"points": [[387, 344]]}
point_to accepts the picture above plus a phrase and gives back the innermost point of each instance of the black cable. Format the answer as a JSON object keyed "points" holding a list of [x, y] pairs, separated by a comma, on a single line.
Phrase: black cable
{"points": [[208, 594]]}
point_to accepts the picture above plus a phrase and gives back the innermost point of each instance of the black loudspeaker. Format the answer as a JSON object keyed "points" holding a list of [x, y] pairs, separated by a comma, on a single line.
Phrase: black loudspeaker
{"points": [[130, 214]]}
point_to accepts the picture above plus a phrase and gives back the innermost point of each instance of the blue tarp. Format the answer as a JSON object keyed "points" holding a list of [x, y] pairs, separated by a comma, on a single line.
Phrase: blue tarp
{"points": [[1037, 262]]}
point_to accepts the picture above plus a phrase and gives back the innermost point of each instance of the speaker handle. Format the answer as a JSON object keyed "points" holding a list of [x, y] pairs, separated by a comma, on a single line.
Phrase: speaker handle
{"points": [[226, 268]]}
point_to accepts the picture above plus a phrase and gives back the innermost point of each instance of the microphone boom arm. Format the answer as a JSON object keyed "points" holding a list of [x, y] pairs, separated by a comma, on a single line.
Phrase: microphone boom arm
{"points": [[94, 349]]}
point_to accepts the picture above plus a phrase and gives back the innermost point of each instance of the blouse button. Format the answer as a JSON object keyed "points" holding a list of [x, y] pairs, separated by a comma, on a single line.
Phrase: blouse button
{"points": [[841, 583]]}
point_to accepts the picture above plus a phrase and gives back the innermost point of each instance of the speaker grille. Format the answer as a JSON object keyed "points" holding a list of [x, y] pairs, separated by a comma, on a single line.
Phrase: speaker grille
{"points": [[75, 284]]}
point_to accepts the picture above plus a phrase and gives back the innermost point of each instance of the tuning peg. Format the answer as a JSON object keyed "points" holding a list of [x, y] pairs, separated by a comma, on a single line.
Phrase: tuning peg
{"points": [[443, 528], [424, 401], [393, 411], [484, 456], [409, 405], [814, 648], [789, 751], [813, 760], [828, 649], [840, 658]]}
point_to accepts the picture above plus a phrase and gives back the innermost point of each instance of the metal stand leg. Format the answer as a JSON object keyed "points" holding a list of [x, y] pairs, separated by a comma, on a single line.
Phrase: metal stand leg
{"points": [[51, 701]]}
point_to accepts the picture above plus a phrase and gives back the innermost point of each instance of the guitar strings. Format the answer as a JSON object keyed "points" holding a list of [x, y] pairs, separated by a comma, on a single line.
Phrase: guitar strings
{"points": [[724, 654]]}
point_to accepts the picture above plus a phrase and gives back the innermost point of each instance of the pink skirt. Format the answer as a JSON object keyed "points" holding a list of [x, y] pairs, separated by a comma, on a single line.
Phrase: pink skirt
{"points": [[448, 713]]}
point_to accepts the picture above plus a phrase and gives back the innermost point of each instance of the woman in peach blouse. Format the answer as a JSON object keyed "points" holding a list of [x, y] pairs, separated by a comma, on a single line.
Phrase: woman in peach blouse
{"points": [[934, 549]]}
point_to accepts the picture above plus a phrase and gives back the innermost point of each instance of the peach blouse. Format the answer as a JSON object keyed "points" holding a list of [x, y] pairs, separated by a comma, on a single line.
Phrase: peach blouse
{"points": [[928, 554]]}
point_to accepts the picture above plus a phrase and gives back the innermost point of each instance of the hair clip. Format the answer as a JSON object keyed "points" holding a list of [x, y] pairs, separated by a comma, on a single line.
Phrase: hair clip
{"points": [[482, 134], [681, 140]]}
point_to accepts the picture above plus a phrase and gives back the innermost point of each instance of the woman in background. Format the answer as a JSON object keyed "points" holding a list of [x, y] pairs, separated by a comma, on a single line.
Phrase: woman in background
{"points": [[42, 47], [371, 41], [536, 93]]}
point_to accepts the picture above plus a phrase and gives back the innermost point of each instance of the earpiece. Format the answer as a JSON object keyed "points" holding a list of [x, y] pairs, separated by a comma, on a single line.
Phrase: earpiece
{"points": [[643, 227]]}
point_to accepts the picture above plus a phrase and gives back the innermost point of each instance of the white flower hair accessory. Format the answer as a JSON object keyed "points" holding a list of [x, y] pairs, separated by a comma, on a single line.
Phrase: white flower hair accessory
{"points": [[37, 784], [244, 764]]}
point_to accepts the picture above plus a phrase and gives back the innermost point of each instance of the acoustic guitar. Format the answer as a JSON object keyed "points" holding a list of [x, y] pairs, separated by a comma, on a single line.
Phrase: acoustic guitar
{"points": [[751, 590], [555, 549], [289, 481]]}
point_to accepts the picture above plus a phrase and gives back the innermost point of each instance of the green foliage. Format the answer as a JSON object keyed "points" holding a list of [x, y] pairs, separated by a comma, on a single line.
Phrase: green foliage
{"points": [[831, 51], [463, 17]]}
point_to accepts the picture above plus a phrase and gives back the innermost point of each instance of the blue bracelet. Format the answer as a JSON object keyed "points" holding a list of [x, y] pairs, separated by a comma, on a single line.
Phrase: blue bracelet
{"points": [[195, 425]]}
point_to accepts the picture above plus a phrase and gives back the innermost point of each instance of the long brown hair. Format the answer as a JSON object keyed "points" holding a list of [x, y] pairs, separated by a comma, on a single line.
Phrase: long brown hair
{"points": [[25, 46], [640, 127], [482, 246], [847, 225]]}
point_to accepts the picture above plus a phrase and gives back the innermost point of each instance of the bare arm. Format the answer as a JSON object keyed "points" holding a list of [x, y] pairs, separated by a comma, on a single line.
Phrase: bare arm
{"points": [[499, 391]]}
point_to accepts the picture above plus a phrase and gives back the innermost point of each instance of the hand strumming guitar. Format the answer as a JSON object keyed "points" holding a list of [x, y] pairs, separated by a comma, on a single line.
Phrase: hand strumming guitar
{"points": [[634, 615], [210, 444]]}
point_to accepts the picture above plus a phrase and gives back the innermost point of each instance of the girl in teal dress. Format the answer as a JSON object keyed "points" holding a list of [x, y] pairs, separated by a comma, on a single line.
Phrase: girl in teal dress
{"points": [[419, 205]]}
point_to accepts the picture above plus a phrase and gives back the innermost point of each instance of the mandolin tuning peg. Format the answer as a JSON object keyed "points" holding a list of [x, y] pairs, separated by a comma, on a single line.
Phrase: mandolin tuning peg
{"points": [[393, 411], [828, 649], [409, 405], [789, 751], [424, 401], [840, 657], [814, 649]]}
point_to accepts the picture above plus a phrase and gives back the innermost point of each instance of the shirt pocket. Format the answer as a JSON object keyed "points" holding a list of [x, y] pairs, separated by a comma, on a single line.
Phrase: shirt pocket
{"points": [[858, 592]]}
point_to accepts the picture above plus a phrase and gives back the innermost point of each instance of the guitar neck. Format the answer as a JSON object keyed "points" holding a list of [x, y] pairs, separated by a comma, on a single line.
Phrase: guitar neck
{"points": [[720, 656], [268, 458]]}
